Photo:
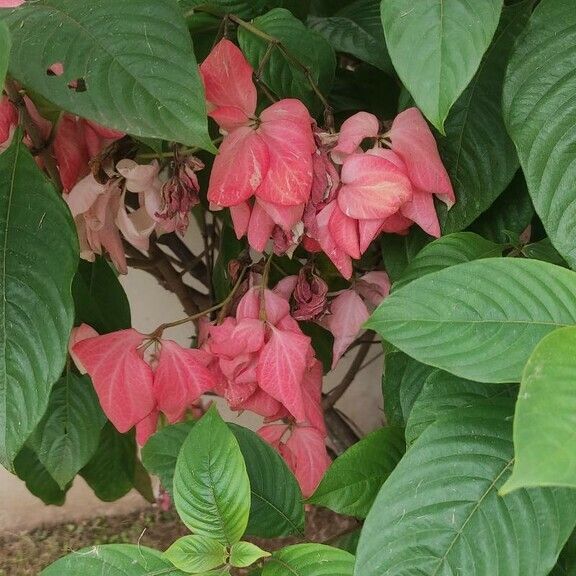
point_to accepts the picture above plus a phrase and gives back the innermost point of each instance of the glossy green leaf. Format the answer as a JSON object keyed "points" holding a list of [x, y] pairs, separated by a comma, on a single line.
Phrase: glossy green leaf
{"points": [[402, 381], [436, 47], [242, 8], [196, 553], [509, 214], [5, 43], [136, 54], [112, 560], [543, 250], [443, 392], [439, 512], [211, 486], [110, 472], [479, 320], [545, 416], [448, 251], [322, 342], [309, 560], [68, 434], [353, 480], [99, 298], [28, 468], [39, 258], [566, 565], [281, 74], [244, 554], [273, 512], [356, 29], [398, 251], [477, 151], [160, 453], [539, 110]]}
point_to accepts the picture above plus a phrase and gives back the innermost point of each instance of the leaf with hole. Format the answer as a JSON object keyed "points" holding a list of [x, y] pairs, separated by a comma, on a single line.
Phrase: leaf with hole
{"points": [[479, 320], [539, 110], [136, 55], [439, 512], [40, 255]]}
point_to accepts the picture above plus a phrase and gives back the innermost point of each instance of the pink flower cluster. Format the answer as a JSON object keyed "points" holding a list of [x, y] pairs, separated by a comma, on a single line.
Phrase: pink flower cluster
{"points": [[285, 182]]}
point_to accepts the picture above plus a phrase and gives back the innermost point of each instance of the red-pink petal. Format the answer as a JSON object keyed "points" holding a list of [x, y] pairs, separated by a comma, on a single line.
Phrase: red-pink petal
{"points": [[146, 427], [286, 286], [239, 168], [78, 334], [281, 369], [422, 211], [70, 151], [260, 228], [310, 459], [8, 119], [240, 214], [373, 287], [180, 378], [284, 216], [396, 224], [263, 404], [338, 257], [344, 230], [413, 141], [11, 3], [273, 433], [312, 388], [121, 378], [368, 231], [353, 131], [347, 314], [232, 338], [227, 77], [373, 187]]}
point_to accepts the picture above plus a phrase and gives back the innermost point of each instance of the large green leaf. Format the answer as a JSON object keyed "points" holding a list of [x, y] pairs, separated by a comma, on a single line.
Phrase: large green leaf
{"points": [[112, 560], [479, 320], [353, 480], [211, 486], [436, 47], [309, 560], [439, 512], [478, 153], [281, 74], [39, 258], [545, 416], [448, 251], [134, 57], [443, 392], [402, 382], [539, 110], [566, 565], [28, 468], [111, 471], [398, 251], [244, 554], [69, 433], [5, 43], [509, 214], [99, 298], [195, 553], [356, 29], [273, 512], [242, 8]]}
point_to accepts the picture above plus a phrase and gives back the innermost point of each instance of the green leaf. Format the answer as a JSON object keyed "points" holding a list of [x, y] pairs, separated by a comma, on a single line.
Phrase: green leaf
{"points": [[322, 342], [160, 453], [244, 554], [546, 415], [398, 251], [543, 250], [439, 512], [448, 251], [28, 468], [436, 47], [229, 249], [443, 392], [348, 541], [310, 560], [356, 29], [273, 512], [353, 480], [282, 75], [39, 258], [99, 298], [211, 486], [242, 8], [69, 433], [511, 212], [196, 553], [112, 560], [5, 43], [477, 151], [110, 472], [566, 565], [136, 55], [402, 381], [479, 320], [539, 111]]}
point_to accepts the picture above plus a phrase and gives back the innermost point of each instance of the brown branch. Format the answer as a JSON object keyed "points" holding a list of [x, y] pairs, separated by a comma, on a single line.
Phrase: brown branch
{"points": [[40, 146], [340, 433], [190, 262], [336, 393]]}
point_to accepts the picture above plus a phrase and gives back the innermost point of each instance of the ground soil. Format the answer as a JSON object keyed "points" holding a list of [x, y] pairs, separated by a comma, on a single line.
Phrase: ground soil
{"points": [[26, 554]]}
